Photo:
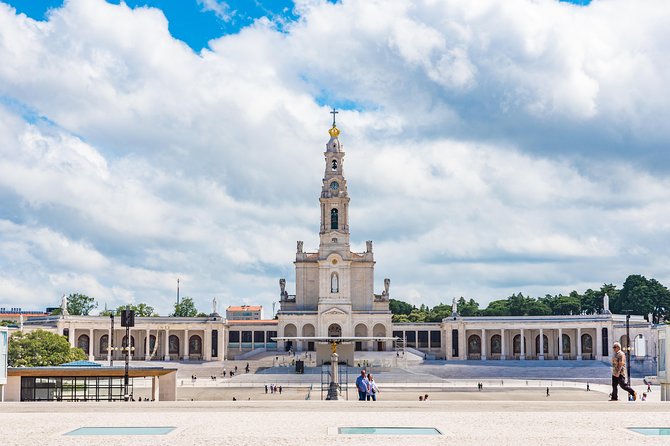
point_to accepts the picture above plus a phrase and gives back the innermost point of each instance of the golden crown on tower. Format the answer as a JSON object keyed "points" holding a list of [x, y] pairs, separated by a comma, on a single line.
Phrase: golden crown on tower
{"points": [[334, 132]]}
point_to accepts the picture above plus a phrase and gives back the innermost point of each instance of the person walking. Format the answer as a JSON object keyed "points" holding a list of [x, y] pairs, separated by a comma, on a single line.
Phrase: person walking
{"points": [[372, 389], [362, 386], [619, 373]]}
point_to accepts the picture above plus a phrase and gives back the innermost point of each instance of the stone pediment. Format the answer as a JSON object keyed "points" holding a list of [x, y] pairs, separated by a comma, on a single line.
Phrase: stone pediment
{"points": [[334, 312]]}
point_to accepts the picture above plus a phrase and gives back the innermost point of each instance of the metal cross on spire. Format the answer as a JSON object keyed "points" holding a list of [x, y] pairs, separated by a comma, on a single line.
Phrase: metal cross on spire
{"points": [[334, 112]]}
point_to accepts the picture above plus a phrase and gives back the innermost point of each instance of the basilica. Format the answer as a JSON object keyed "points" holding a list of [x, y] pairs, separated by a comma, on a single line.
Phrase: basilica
{"points": [[335, 297]]}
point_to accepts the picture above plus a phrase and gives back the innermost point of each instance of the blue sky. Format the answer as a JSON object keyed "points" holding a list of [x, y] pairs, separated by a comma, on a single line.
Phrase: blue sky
{"points": [[193, 22], [491, 147]]}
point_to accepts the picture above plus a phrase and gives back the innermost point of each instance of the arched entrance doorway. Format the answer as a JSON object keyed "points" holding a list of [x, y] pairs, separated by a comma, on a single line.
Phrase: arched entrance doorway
{"points": [[334, 331], [290, 331], [379, 330]]}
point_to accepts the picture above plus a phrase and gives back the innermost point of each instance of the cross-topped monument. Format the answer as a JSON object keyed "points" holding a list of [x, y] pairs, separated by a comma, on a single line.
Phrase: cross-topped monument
{"points": [[334, 112]]}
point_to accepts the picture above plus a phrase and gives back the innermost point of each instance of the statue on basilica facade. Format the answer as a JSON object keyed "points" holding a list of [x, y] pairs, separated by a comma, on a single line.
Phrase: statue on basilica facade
{"points": [[606, 304], [385, 293], [299, 246], [283, 295], [454, 307], [63, 306], [215, 304], [368, 246]]}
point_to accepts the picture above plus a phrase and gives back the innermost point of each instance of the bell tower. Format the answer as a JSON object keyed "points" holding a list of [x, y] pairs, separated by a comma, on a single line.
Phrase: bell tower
{"points": [[334, 232]]}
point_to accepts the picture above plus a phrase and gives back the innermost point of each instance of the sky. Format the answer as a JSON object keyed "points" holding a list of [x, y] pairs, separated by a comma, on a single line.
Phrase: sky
{"points": [[491, 147]]}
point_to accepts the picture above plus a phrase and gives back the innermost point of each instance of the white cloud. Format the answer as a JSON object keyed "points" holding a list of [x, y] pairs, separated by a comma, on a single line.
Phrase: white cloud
{"points": [[218, 7], [498, 147]]}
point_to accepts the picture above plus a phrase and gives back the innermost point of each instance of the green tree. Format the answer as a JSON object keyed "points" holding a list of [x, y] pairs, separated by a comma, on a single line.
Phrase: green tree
{"points": [[400, 307], [78, 305], [141, 310], [591, 302], [635, 296], [41, 348], [439, 312], [497, 308], [399, 318], [185, 308], [469, 308], [660, 297]]}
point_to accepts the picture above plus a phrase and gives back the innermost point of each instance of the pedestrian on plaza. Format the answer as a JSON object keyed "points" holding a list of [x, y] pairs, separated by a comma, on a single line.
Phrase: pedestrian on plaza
{"points": [[420, 397], [588, 389], [362, 386], [619, 374], [280, 390], [224, 372], [372, 389], [648, 387], [266, 388], [547, 391], [425, 397]]}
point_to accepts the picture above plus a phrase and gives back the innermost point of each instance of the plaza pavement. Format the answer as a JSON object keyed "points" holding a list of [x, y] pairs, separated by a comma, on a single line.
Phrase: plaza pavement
{"points": [[513, 408], [501, 421]]}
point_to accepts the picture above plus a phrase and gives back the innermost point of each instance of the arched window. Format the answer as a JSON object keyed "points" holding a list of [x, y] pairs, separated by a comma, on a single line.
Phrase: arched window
{"points": [[195, 345], [173, 345], [587, 344], [334, 165], [496, 344], [333, 219], [104, 343], [474, 345], [83, 343], [566, 343], [334, 283]]}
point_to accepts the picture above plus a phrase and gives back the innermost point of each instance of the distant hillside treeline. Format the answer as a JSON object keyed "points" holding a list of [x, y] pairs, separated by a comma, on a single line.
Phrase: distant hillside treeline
{"points": [[638, 295]]}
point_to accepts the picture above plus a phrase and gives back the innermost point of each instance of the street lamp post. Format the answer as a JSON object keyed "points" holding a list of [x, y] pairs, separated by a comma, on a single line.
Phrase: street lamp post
{"points": [[127, 320], [110, 344]]}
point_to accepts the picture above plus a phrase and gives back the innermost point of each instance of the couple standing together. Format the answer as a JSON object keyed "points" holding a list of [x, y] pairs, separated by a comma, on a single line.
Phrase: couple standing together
{"points": [[367, 388]]}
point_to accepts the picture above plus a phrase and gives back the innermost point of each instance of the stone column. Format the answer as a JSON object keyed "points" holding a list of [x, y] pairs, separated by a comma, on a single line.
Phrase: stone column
{"points": [[222, 345], [207, 345], [599, 343], [560, 343], [462, 348], [186, 352], [155, 386], [166, 344], [483, 344], [91, 345], [147, 345], [70, 336], [540, 354], [447, 343], [579, 344], [503, 346], [522, 341], [109, 344]]}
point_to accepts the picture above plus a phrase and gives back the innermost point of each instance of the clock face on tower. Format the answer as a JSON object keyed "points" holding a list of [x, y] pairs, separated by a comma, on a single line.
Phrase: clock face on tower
{"points": [[334, 185]]}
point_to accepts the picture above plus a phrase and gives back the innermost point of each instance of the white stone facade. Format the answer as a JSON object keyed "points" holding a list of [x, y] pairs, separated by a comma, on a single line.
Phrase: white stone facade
{"points": [[334, 286]]}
